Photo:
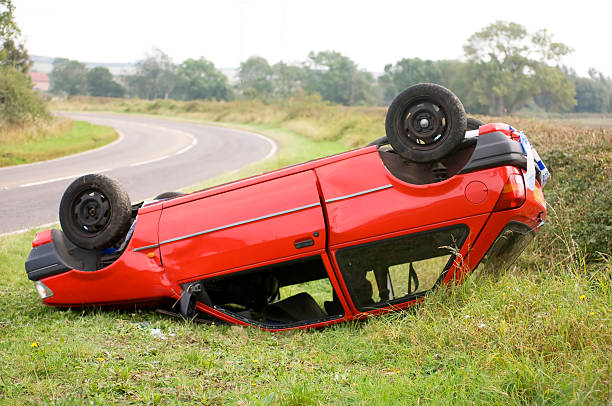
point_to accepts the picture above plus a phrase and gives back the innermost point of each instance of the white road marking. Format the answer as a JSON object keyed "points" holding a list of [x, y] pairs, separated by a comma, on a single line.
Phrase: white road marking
{"points": [[273, 146], [187, 148], [42, 182], [23, 230], [194, 142], [150, 161], [272, 143]]}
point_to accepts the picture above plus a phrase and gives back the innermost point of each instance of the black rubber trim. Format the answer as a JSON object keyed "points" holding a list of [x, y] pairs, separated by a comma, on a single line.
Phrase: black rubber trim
{"points": [[495, 149], [44, 261], [58, 256]]}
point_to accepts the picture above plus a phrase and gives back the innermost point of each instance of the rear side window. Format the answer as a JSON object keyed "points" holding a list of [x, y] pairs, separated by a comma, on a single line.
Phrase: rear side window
{"points": [[398, 269]]}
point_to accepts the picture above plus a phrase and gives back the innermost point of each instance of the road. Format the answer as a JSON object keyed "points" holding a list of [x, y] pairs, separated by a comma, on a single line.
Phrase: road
{"points": [[151, 156]]}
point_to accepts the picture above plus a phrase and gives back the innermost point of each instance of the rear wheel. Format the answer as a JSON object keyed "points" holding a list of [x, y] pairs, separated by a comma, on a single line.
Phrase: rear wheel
{"points": [[425, 122], [95, 212], [168, 195]]}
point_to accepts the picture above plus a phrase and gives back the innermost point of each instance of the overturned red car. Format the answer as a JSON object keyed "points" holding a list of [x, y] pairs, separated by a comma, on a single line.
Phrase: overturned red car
{"points": [[343, 237]]}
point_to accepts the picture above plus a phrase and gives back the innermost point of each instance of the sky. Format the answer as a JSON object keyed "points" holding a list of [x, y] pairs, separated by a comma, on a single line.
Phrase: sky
{"points": [[372, 33]]}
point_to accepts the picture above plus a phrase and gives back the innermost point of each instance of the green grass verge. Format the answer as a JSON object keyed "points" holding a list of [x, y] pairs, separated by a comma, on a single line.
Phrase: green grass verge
{"points": [[526, 337], [42, 142]]}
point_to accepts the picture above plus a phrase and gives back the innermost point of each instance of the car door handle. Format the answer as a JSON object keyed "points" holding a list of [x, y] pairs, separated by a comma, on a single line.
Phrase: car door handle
{"points": [[303, 243]]}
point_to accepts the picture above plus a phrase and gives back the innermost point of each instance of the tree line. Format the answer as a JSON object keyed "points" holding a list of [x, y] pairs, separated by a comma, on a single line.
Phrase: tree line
{"points": [[505, 69]]}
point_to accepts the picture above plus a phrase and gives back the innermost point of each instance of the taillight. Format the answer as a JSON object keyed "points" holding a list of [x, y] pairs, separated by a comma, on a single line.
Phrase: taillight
{"points": [[43, 237], [513, 193]]}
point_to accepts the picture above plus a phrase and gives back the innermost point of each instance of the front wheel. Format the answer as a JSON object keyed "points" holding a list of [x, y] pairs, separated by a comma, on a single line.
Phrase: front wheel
{"points": [[474, 123], [95, 212], [168, 195], [425, 122]]}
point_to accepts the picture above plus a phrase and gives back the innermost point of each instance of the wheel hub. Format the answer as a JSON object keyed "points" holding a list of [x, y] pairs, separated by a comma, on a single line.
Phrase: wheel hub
{"points": [[91, 211], [424, 122]]}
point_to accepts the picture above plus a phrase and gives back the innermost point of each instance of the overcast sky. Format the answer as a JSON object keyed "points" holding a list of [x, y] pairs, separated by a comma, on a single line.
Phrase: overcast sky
{"points": [[372, 33]]}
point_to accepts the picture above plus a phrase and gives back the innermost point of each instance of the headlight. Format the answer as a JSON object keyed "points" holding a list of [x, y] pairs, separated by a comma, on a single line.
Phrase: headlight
{"points": [[42, 289]]}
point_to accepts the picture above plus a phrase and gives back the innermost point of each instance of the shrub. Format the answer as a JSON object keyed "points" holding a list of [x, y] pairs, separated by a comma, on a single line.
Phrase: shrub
{"points": [[19, 104]]}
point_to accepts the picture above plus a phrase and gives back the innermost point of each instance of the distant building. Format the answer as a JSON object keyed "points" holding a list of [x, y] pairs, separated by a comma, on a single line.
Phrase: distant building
{"points": [[40, 80]]}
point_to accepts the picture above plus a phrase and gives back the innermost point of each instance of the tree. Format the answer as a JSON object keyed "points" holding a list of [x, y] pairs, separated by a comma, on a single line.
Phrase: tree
{"points": [[336, 78], [593, 94], [408, 72], [13, 54], [255, 77], [200, 79], [507, 56], [287, 80], [18, 102], [69, 77], [100, 83], [8, 26], [555, 91], [155, 76]]}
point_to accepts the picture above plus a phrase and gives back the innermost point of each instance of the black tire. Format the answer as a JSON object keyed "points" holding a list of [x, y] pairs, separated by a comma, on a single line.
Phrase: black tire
{"points": [[441, 111], [384, 140], [168, 195], [474, 123], [95, 212]]}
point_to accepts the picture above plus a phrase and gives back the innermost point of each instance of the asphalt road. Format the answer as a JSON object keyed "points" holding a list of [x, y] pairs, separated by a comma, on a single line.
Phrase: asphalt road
{"points": [[152, 156]]}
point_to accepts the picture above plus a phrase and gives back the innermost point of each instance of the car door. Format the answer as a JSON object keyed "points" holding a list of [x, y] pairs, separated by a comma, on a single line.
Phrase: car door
{"points": [[272, 221], [390, 240]]}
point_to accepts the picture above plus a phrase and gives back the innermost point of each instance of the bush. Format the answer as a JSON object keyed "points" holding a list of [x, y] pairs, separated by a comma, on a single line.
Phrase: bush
{"points": [[19, 104]]}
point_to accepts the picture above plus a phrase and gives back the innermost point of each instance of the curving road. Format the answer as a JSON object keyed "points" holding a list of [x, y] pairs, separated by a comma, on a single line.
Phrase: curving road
{"points": [[150, 157]]}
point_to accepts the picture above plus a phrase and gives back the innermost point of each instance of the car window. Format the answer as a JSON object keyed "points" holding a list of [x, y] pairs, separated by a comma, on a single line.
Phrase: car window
{"points": [[282, 295], [398, 269]]}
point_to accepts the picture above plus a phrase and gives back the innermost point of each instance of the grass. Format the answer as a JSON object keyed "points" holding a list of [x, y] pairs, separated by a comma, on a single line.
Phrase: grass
{"points": [[538, 334], [52, 139], [526, 337]]}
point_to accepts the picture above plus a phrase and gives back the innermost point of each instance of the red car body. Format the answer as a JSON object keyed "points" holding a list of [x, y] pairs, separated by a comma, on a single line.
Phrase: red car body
{"points": [[311, 219]]}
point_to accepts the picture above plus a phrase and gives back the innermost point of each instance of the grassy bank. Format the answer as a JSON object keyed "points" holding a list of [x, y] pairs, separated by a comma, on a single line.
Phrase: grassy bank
{"points": [[539, 334], [528, 337], [50, 139]]}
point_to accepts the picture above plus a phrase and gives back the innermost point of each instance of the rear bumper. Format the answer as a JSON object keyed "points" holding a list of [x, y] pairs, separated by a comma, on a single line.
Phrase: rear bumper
{"points": [[57, 255], [497, 149]]}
